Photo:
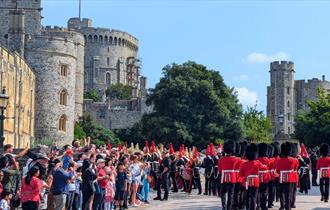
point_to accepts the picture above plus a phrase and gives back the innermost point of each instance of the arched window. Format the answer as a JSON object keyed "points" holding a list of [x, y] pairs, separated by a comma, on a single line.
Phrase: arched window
{"points": [[105, 39], [90, 38], [95, 38], [108, 78], [64, 70], [62, 123], [111, 39], [101, 38], [119, 41], [115, 41], [63, 98]]}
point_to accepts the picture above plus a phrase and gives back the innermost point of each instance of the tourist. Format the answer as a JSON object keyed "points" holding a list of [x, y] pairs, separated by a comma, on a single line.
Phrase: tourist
{"points": [[31, 189], [136, 171], [89, 176], [121, 185], [102, 182], [5, 200]]}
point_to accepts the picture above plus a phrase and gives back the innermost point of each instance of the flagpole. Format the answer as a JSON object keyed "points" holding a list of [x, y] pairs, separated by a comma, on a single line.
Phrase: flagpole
{"points": [[79, 9]]}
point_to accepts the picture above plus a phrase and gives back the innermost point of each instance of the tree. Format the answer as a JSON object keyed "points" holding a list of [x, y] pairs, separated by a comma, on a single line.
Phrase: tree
{"points": [[192, 105], [92, 95], [79, 132], [119, 91], [257, 127], [313, 126], [96, 131]]}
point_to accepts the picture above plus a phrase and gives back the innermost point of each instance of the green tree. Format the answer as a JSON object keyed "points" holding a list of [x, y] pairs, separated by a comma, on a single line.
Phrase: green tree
{"points": [[192, 105], [92, 95], [119, 91], [313, 126], [97, 132], [79, 132], [257, 127]]}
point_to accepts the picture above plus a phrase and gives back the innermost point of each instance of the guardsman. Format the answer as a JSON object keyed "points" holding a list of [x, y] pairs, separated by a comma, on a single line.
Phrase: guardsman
{"points": [[215, 180], [250, 171], [180, 167], [239, 180], [304, 170], [208, 164], [294, 155], [271, 183], [227, 170], [173, 168], [285, 166], [323, 166], [195, 165], [264, 176], [154, 164]]}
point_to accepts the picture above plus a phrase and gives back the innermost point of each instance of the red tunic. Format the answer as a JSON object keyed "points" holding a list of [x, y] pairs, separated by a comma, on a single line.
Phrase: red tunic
{"points": [[284, 167], [227, 169], [271, 168], [250, 171], [239, 179], [264, 175], [323, 165], [294, 174]]}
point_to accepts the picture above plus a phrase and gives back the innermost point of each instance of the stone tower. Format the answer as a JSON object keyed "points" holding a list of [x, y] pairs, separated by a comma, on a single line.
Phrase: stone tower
{"points": [[280, 99], [111, 57]]}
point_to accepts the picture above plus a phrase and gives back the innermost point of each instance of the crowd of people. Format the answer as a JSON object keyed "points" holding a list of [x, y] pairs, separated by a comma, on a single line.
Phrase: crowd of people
{"points": [[75, 177]]}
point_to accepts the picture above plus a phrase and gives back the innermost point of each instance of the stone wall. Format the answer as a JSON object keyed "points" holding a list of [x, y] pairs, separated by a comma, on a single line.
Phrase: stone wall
{"points": [[46, 53], [19, 80]]}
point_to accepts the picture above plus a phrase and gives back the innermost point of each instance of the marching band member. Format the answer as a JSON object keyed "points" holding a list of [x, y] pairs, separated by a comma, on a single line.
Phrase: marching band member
{"points": [[195, 164], [226, 167], [208, 164], [294, 154], [323, 166], [263, 176], [304, 169], [285, 167], [173, 168]]}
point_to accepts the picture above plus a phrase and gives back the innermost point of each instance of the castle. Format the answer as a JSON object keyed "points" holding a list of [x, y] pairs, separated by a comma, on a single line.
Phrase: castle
{"points": [[66, 62], [286, 97]]}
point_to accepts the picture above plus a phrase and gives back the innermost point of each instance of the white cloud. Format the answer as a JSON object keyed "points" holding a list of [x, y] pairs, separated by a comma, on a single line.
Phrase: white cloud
{"points": [[246, 97], [244, 77], [264, 58]]}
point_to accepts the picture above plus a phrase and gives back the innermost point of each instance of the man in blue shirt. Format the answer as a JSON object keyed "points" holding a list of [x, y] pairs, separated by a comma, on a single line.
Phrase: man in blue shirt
{"points": [[59, 187]]}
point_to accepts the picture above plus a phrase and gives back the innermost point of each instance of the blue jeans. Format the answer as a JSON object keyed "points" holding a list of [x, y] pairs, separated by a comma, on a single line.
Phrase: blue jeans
{"points": [[99, 200], [145, 190]]}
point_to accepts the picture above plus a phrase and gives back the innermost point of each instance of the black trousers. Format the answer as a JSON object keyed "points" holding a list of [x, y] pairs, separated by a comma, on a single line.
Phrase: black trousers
{"points": [[163, 183], [314, 176], [197, 181], [237, 194], [271, 193], [324, 188], [215, 186], [251, 198], [30, 205], [285, 195], [208, 185], [173, 178], [242, 196], [293, 194], [263, 196], [227, 188]]}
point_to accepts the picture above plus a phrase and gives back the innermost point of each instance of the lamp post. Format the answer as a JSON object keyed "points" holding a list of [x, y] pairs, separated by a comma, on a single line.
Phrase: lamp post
{"points": [[4, 98]]}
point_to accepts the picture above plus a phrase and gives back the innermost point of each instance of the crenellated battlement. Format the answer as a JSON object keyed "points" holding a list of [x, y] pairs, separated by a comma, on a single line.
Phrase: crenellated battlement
{"points": [[282, 65]]}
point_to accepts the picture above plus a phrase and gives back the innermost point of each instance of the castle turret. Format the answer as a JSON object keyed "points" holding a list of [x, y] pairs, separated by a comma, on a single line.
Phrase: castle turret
{"points": [[280, 95], [16, 31]]}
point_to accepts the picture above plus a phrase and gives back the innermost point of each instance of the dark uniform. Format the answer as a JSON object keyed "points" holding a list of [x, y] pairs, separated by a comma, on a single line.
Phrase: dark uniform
{"points": [[163, 178], [208, 164], [196, 176], [173, 173]]}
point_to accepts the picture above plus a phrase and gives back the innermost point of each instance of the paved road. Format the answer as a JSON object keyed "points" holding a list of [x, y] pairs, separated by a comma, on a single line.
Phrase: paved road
{"points": [[182, 201]]}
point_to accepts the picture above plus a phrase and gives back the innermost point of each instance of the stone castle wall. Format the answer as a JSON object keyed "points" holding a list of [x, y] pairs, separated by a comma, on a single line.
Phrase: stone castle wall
{"points": [[110, 56], [19, 80], [46, 53]]}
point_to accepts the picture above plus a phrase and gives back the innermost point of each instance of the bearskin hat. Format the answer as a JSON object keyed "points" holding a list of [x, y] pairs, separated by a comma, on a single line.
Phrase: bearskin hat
{"points": [[263, 149], [324, 149], [270, 150], [243, 146], [229, 147], [277, 149], [238, 150], [285, 149], [251, 152], [294, 150]]}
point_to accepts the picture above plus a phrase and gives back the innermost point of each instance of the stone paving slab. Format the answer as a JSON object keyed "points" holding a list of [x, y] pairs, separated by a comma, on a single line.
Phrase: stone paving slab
{"points": [[183, 201]]}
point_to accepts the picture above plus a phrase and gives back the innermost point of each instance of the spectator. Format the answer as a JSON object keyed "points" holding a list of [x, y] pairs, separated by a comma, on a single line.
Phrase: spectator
{"points": [[102, 182], [121, 186], [5, 200], [89, 176]]}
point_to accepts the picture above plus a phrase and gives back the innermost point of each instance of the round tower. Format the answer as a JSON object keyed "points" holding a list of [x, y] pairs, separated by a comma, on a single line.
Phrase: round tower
{"points": [[110, 56], [56, 56], [281, 105]]}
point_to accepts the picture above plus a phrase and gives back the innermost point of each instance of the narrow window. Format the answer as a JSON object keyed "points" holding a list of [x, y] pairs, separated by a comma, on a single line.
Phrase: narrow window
{"points": [[108, 61], [62, 123], [64, 70], [288, 103], [108, 78], [289, 116], [289, 130], [63, 98], [288, 90]]}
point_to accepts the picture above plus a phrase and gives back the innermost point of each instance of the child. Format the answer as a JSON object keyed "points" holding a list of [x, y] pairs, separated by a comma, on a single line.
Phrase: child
{"points": [[121, 185], [5, 200], [109, 194], [323, 166]]}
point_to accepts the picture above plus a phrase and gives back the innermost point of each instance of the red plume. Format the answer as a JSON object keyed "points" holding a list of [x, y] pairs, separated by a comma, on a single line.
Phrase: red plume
{"points": [[120, 147], [196, 154], [147, 147], [181, 151], [109, 146], [153, 147], [171, 149], [304, 152]]}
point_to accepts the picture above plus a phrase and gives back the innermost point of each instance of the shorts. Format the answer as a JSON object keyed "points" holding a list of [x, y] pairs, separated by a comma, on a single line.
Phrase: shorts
{"points": [[119, 195]]}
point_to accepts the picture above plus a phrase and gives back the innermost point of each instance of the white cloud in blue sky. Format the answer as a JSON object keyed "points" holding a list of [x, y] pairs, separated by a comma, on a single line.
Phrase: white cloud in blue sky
{"points": [[256, 58], [246, 97]]}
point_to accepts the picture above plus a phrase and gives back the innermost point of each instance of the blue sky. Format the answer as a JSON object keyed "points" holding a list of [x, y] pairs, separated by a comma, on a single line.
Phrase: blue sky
{"points": [[237, 38]]}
